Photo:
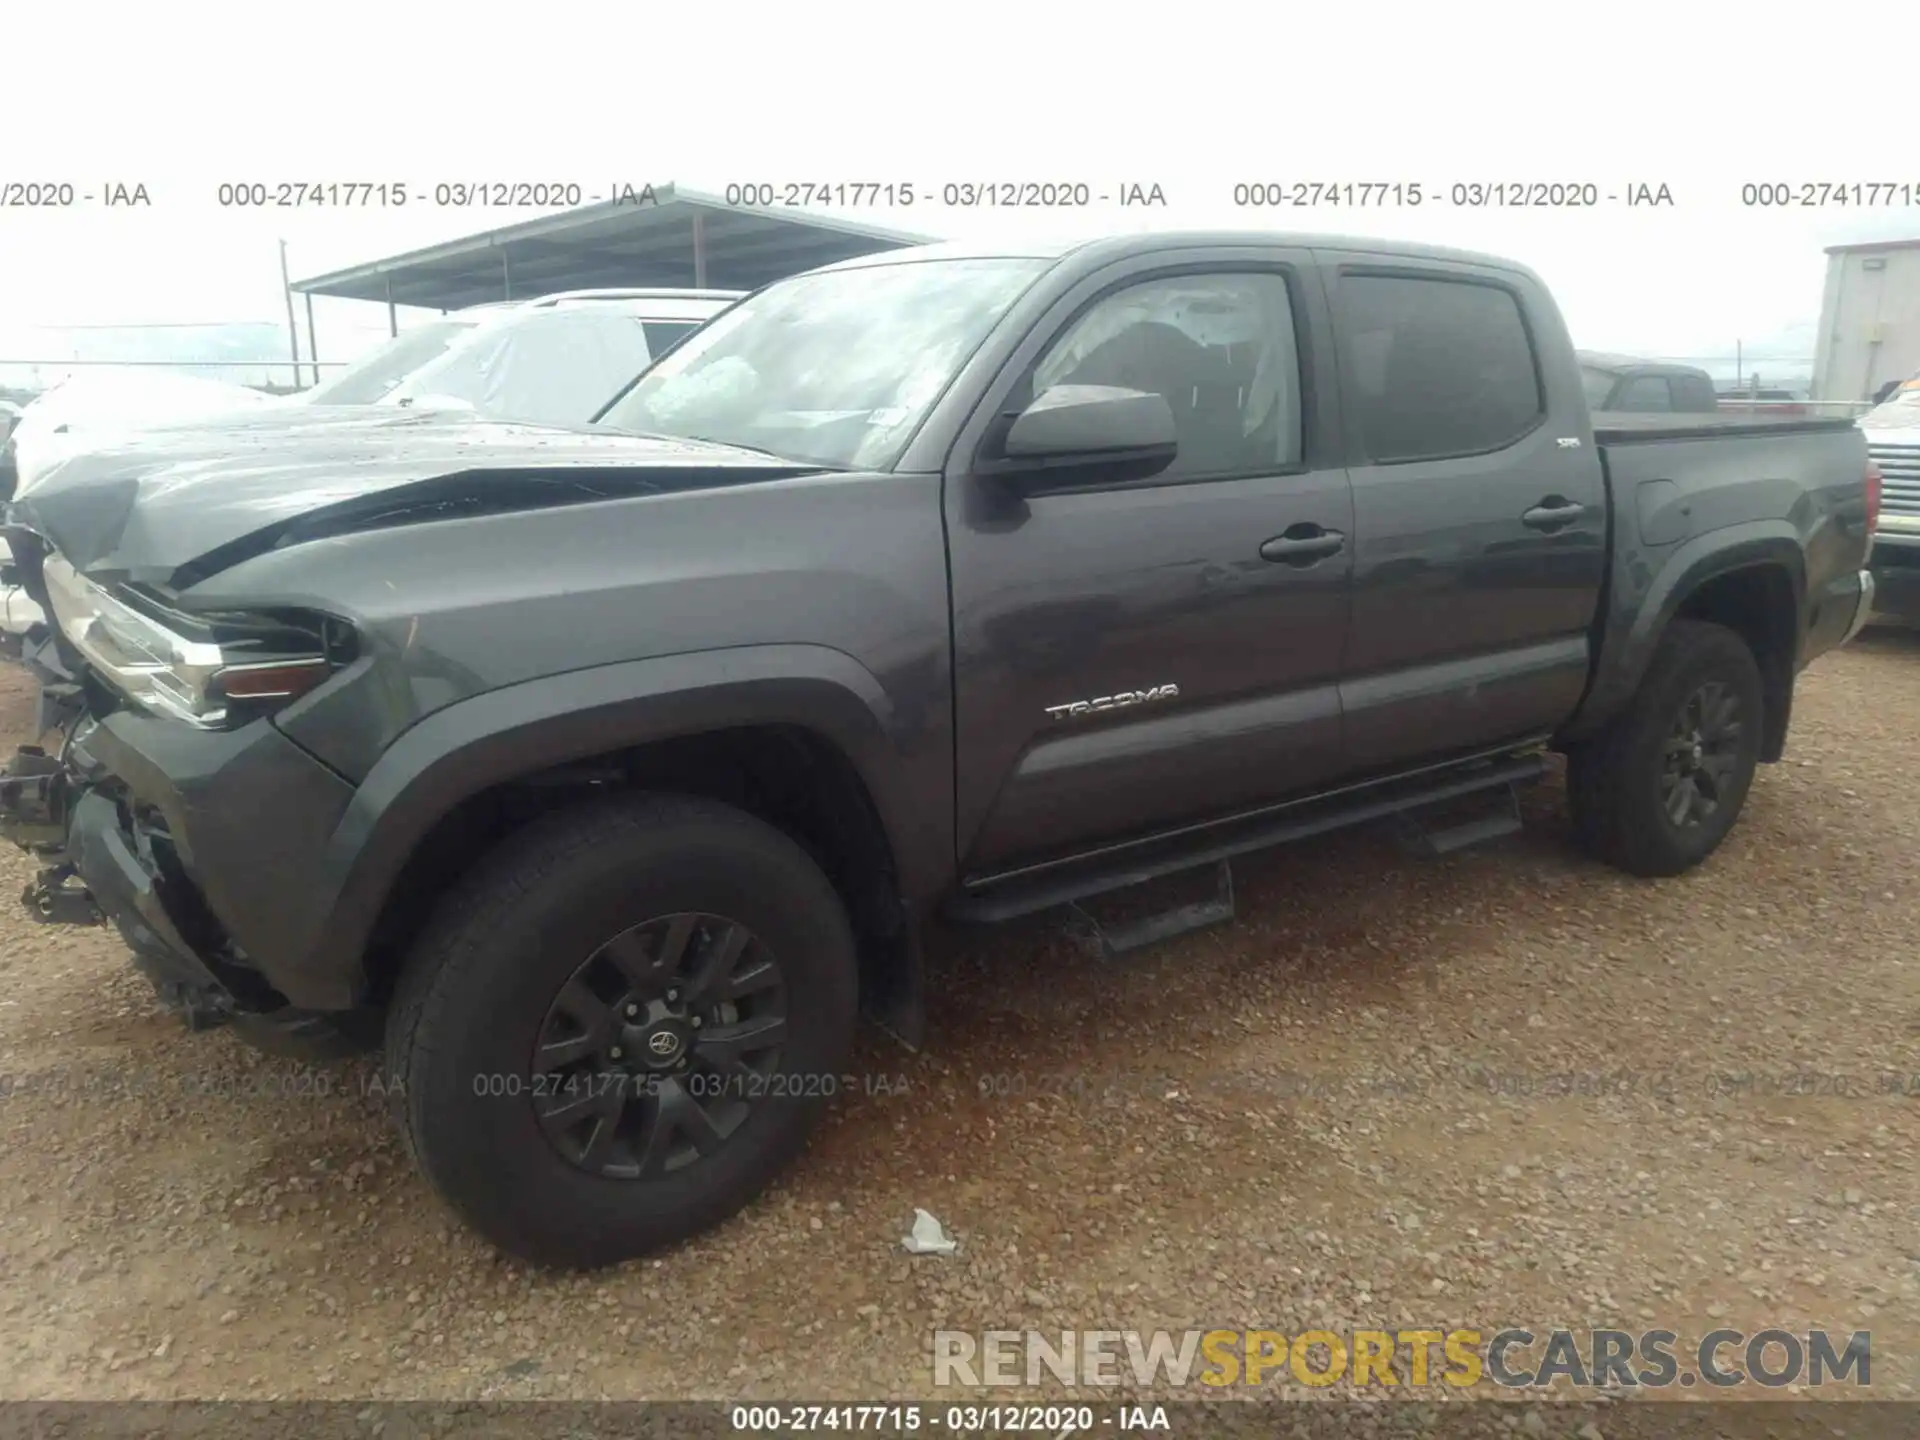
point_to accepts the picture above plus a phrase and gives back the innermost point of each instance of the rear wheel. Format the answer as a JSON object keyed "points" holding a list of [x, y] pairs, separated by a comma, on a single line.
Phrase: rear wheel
{"points": [[621, 1026], [1659, 789]]}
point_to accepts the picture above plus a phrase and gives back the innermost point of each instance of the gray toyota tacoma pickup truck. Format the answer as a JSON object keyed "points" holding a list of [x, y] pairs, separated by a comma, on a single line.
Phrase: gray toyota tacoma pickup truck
{"points": [[606, 773]]}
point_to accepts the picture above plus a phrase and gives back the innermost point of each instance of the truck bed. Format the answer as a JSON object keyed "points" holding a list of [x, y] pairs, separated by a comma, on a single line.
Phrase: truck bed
{"points": [[1675, 487], [1619, 427]]}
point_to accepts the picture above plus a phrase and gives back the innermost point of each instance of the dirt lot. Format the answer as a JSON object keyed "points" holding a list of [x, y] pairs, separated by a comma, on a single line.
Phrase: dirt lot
{"points": [[1345, 1108]]}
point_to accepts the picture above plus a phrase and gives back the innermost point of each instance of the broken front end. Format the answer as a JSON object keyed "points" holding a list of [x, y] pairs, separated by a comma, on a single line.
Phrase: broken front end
{"points": [[99, 864], [151, 805], [37, 790]]}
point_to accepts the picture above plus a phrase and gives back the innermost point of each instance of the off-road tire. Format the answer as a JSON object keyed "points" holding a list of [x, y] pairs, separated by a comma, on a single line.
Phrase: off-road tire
{"points": [[1614, 782], [469, 1004]]}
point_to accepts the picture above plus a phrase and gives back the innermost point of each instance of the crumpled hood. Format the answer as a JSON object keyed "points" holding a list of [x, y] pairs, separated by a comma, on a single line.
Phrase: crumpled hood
{"points": [[144, 508], [286, 415], [51, 449]]}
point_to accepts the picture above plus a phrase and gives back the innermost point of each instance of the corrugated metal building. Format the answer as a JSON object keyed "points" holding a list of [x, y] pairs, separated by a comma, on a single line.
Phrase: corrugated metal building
{"points": [[666, 235], [1869, 319]]}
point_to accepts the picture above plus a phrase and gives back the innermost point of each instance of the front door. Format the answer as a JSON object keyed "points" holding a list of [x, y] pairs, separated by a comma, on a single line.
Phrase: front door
{"points": [[1144, 654]]}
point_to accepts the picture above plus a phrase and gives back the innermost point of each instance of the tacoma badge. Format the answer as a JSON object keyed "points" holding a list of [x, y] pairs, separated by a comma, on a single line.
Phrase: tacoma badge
{"points": [[1073, 709]]}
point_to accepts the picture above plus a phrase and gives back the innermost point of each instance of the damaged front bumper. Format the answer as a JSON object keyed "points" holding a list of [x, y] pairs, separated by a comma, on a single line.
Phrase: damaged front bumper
{"points": [[97, 868], [103, 818], [33, 815]]}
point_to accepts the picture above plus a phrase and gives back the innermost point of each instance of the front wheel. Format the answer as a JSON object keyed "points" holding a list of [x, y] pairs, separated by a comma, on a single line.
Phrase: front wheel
{"points": [[1659, 789], [621, 1026]]}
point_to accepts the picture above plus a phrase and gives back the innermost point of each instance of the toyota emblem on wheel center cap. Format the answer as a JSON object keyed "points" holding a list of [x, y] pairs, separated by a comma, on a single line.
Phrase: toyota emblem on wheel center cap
{"points": [[663, 1043]]}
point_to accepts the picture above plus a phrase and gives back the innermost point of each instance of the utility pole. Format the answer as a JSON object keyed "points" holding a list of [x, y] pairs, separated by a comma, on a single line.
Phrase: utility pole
{"points": [[313, 341], [293, 332]]}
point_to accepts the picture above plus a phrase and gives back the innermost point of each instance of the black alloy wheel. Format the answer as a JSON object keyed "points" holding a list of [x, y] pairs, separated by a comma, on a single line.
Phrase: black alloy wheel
{"points": [[621, 1025], [656, 1049], [1656, 791], [1702, 755]]}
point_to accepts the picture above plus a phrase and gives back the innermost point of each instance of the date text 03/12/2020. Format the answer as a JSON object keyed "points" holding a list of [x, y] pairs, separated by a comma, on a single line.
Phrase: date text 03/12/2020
{"points": [[548, 194], [1266, 193], [750, 194], [1299, 194], [882, 1418]]}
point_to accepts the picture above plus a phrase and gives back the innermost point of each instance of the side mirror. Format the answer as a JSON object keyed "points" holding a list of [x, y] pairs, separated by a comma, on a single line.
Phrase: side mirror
{"points": [[1072, 429]]}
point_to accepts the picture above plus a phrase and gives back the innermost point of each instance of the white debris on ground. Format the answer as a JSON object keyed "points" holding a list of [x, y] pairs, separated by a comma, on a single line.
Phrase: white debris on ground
{"points": [[929, 1237]]}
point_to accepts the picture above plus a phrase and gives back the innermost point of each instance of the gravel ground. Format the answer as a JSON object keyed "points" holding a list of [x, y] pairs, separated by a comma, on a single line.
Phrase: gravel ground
{"points": [[1507, 1087]]}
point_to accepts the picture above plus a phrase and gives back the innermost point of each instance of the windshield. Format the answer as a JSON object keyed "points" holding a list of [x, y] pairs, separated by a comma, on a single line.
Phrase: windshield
{"points": [[368, 379], [1598, 384], [836, 368]]}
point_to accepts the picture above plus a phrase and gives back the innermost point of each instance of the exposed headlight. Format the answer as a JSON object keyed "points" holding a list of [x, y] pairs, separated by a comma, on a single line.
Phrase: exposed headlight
{"points": [[226, 673]]}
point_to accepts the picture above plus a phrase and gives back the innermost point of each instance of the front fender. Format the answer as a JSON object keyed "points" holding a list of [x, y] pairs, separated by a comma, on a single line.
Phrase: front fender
{"points": [[1646, 591], [475, 744]]}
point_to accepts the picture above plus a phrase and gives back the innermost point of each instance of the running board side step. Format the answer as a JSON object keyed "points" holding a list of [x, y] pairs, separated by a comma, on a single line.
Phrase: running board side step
{"points": [[991, 902], [1418, 838], [1108, 941]]}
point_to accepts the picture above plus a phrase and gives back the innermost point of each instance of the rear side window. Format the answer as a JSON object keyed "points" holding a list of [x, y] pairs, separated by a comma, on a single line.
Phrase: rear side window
{"points": [[1441, 367], [1645, 393]]}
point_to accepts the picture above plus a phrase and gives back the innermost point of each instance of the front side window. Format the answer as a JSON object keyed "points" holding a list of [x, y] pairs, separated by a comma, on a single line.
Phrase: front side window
{"points": [[836, 368], [1441, 367], [1644, 394], [1221, 350]]}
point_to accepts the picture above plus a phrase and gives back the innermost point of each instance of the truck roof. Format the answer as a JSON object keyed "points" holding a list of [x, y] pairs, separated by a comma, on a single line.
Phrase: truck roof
{"points": [[1615, 364], [569, 297], [1116, 246]]}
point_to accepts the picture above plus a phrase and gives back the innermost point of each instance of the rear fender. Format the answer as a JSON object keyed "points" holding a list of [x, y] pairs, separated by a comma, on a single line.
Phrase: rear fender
{"points": [[1645, 592]]}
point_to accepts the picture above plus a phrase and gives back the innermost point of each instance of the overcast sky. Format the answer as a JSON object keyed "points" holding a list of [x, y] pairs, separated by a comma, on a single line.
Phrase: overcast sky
{"points": [[1194, 97]]}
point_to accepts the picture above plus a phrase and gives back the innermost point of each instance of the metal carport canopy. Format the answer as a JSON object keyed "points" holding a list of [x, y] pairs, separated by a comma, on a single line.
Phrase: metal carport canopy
{"points": [[650, 235]]}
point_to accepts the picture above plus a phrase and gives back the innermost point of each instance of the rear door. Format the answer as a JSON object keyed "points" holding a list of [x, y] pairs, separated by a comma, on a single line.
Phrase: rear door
{"points": [[1479, 509], [1208, 668]]}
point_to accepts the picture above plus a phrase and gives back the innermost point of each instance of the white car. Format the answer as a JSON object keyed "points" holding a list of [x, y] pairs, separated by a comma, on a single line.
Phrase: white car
{"points": [[557, 360], [1893, 444]]}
